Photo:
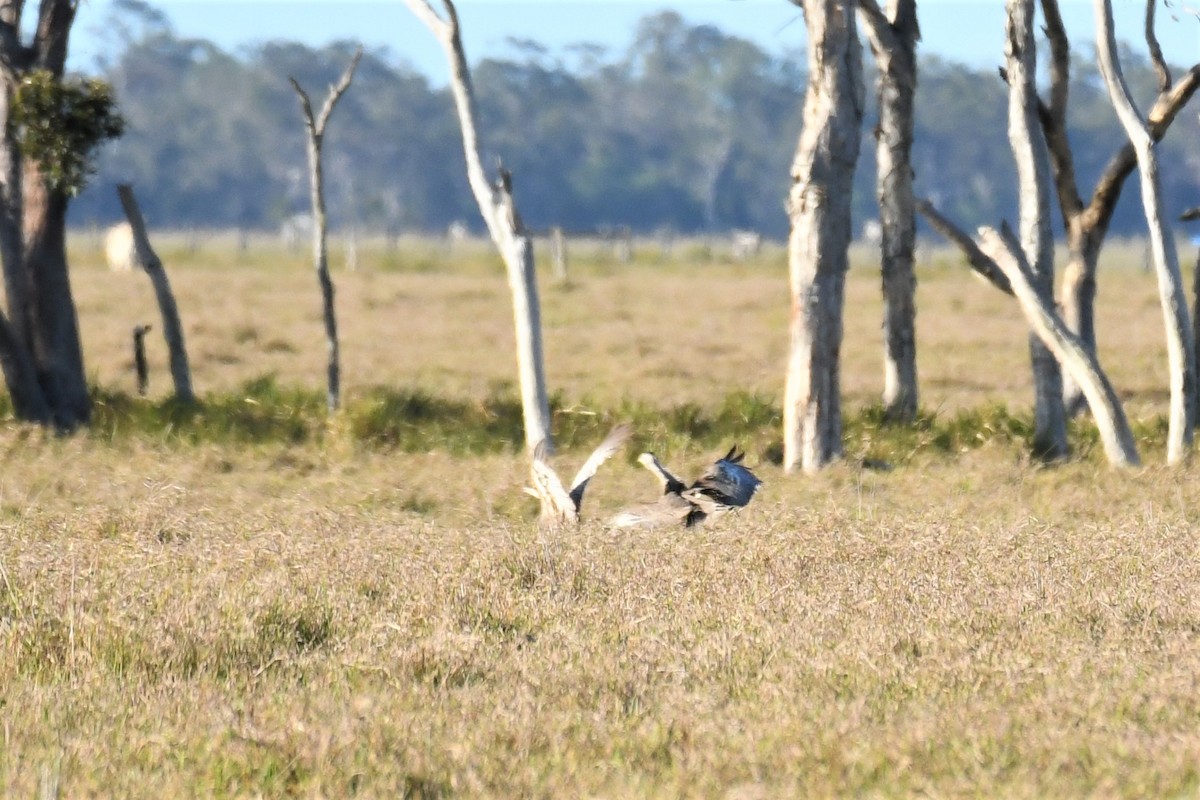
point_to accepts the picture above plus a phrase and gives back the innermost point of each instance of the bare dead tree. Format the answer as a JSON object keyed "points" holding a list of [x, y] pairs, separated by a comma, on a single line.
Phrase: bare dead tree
{"points": [[148, 260], [1037, 241], [1086, 223], [504, 224], [893, 36], [819, 208], [315, 126], [1181, 354]]}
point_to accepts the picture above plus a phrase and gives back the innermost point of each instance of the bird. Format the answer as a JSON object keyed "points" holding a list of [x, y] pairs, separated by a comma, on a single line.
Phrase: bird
{"points": [[725, 486], [560, 506]]}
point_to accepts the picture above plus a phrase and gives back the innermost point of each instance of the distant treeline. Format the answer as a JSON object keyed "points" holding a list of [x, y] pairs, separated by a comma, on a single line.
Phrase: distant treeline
{"points": [[688, 130]]}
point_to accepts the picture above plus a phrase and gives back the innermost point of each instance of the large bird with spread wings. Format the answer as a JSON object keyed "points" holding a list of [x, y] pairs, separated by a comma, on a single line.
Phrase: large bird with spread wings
{"points": [[560, 506], [725, 486]]}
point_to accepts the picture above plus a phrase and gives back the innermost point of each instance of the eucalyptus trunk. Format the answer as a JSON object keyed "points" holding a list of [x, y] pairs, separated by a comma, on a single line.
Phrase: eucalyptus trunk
{"points": [[1181, 355], [52, 326], [893, 40], [1033, 175], [819, 208]]}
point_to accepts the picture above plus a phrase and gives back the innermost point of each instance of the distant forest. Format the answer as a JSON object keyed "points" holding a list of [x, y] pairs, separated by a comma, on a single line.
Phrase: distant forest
{"points": [[687, 130]]}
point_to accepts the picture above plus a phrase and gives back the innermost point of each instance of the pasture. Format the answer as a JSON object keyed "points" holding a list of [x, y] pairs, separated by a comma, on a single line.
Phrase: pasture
{"points": [[253, 600]]}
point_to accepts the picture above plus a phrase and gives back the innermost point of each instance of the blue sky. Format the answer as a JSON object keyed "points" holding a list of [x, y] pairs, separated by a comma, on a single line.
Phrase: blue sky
{"points": [[969, 31]]}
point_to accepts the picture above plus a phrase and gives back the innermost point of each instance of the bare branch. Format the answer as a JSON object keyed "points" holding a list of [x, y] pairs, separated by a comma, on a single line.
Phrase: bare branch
{"points": [[1162, 114], [1053, 115], [305, 106], [316, 126], [430, 18], [337, 90], [979, 261], [1161, 70], [879, 27]]}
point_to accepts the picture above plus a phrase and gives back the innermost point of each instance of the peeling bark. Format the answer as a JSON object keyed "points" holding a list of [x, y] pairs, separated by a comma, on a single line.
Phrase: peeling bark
{"points": [[819, 208]]}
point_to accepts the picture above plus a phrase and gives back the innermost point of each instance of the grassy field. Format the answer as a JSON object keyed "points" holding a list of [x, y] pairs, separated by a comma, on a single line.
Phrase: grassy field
{"points": [[249, 599]]}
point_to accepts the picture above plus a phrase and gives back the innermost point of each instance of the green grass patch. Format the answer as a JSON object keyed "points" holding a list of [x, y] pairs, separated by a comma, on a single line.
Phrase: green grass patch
{"points": [[262, 411]]}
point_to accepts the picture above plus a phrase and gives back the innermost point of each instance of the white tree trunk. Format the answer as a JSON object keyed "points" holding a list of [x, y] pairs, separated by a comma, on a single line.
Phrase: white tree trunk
{"points": [[181, 373], [819, 207], [315, 126], [1033, 175], [504, 224], [1181, 355]]}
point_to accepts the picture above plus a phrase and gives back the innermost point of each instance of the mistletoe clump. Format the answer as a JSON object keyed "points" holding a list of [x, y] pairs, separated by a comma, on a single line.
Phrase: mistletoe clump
{"points": [[60, 123]]}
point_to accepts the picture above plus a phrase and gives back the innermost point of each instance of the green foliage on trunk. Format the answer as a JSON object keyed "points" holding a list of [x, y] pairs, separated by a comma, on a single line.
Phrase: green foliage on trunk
{"points": [[61, 123]]}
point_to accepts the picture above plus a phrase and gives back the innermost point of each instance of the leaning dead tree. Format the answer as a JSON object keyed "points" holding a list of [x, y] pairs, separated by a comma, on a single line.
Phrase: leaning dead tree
{"points": [[893, 36], [149, 261], [504, 224], [1077, 360], [1181, 356], [1086, 222], [315, 126], [819, 209]]}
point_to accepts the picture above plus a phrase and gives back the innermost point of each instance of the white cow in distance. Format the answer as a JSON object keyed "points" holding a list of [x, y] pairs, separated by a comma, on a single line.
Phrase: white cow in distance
{"points": [[119, 251]]}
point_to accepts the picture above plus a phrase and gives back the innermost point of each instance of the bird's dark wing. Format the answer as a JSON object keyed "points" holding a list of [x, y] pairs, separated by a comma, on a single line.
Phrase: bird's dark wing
{"points": [[670, 483], [726, 483], [613, 442]]}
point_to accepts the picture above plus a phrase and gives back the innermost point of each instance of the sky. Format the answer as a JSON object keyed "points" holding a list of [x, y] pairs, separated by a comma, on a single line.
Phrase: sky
{"points": [[966, 31]]}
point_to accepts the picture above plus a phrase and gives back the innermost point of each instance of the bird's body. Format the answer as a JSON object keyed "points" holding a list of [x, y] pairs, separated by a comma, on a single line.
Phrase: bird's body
{"points": [[559, 505], [725, 486]]}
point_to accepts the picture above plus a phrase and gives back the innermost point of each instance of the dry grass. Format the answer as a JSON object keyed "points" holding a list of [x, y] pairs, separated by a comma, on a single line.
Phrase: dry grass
{"points": [[326, 619]]}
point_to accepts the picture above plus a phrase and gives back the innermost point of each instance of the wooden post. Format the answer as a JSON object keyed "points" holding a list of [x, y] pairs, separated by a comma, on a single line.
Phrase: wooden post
{"points": [[139, 358], [181, 373], [558, 252]]}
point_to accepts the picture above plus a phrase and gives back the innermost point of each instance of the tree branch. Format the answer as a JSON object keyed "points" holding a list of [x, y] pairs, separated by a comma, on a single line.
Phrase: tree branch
{"points": [[1161, 70], [1108, 188], [316, 126], [1053, 115], [337, 90], [879, 27], [979, 261]]}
